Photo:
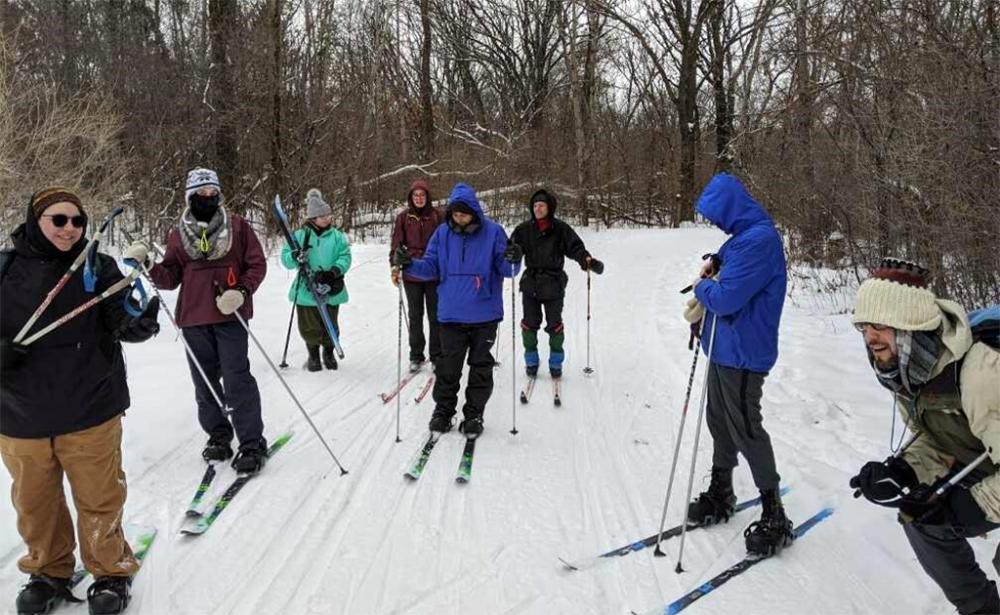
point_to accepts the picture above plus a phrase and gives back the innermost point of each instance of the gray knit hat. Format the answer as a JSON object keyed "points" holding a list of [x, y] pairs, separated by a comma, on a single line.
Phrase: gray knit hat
{"points": [[200, 178], [315, 205]]}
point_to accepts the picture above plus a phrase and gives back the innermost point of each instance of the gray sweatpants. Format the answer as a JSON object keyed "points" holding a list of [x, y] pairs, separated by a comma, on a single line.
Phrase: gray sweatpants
{"points": [[947, 557], [736, 425]]}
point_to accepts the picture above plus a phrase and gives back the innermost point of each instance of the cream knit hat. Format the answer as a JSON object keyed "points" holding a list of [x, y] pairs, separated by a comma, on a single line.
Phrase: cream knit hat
{"points": [[896, 295]]}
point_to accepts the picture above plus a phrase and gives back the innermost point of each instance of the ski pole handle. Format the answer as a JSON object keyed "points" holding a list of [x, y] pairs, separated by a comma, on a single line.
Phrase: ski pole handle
{"points": [[945, 486]]}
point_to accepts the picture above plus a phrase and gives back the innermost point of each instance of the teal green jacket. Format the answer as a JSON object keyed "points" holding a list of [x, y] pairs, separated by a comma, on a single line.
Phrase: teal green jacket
{"points": [[327, 249]]}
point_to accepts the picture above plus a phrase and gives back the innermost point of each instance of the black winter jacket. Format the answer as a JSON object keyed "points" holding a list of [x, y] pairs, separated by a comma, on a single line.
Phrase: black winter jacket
{"points": [[74, 377], [545, 255]]}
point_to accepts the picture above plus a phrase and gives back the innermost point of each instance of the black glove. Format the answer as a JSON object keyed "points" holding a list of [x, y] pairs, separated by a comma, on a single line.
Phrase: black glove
{"points": [[12, 354], [513, 253], [140, 329], [594, 265], [957, 508], [885, 482], [401, 257], [330, 277], [695, 334], [301, 255]]}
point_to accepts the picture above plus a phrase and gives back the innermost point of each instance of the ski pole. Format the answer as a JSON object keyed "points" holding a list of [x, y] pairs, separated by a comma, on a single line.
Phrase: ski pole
{"points": [[91, 245], [291, 316], [589, 369], [120, 285], [513, 354], [697, 435], [399, 354], [291, 394], [948, 484], [190, 352], [677, 445]]}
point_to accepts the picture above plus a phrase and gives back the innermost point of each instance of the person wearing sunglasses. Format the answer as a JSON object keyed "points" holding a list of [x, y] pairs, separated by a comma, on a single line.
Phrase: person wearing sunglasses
{"points": [[945, 383], [62, 400], [215, 258]]}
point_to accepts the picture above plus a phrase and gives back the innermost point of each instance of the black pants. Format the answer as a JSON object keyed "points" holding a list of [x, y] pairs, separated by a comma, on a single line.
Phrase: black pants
{"points": [[417, 295], [533, 314], [311, 326], [457, 341], [736, 424], [947, 558], [221, 350]]}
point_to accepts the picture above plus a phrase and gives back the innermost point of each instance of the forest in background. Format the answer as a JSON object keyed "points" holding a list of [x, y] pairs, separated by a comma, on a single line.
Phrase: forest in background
{"points": [[865, 127]]}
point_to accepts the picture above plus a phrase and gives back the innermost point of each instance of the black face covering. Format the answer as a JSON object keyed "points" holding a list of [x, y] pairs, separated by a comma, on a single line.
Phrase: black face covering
{"points": [[204, 207]]}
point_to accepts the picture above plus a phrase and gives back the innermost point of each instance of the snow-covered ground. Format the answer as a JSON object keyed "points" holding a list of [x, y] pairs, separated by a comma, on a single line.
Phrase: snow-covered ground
{"points": [[576, 481]]}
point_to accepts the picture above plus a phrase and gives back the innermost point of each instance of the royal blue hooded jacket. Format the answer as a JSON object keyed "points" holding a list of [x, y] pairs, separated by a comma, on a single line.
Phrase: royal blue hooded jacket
{"points": [[469, 264], [750, 292]]}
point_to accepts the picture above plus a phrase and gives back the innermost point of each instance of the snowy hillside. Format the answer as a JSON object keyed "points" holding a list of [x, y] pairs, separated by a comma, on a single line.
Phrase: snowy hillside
{"points": [[576, 481]]}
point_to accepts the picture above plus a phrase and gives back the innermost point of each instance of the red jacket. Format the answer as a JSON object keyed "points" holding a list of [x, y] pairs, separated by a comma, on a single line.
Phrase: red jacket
{"points": [[414, 227], [245, 265]]}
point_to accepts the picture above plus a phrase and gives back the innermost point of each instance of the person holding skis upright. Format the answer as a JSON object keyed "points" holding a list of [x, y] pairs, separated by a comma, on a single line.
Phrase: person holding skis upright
{"points": [[327, 253], [413, 228], [740, 294], [62, 399], [546, 242], [218, 263], [470, 256], [944, 375]]}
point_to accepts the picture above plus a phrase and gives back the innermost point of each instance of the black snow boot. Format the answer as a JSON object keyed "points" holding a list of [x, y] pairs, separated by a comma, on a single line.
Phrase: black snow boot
{"points": [[329, 361], [717, 504], [43, 593], [109, 595], [441, 420], [313, 364], [218, 448], [472, 426], [773, 531], [251, 458]]}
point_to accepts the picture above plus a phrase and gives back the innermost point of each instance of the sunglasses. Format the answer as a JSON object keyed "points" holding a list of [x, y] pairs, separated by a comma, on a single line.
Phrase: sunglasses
{"points": [[861, 326], [60, 220]]}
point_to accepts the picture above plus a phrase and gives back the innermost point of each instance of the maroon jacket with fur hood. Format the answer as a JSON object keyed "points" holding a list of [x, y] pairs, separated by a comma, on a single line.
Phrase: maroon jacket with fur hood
{"points": [[414, 227], [244, 265]]}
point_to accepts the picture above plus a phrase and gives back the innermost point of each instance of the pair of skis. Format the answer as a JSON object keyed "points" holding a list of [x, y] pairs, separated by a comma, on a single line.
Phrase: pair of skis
{"points": [[420, 460], [712, 584], [197, 522], [529, 388], [397, 389]]}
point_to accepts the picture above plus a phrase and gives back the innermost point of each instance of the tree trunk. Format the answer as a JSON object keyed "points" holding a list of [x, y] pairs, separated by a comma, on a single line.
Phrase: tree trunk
{"points": [[426, 94], [221, 25], [277, 165]]}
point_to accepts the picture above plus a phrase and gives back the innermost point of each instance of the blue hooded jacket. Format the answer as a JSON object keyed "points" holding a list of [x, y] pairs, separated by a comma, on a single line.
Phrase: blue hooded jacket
{"points": [[750, 292], [469, 265]]}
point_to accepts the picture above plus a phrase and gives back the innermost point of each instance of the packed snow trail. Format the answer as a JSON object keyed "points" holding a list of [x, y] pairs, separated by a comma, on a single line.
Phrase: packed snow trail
{"points": [[576, 481]]}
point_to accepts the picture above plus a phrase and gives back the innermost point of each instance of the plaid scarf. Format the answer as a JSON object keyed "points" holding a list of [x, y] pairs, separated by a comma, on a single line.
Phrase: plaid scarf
{"points": [[206, 241], [918, 353]]}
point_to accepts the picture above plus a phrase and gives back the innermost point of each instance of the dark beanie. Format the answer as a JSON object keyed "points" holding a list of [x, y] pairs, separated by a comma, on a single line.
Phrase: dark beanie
{"points": [[462, 206], [43, 199]]}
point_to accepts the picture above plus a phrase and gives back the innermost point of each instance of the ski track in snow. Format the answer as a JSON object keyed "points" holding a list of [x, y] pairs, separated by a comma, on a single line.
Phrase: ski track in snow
{"points": [[576, 481]]}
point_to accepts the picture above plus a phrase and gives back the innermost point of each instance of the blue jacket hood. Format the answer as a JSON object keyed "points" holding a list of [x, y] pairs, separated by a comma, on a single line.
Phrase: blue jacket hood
{"points": [[463, 193], [726, 203]]}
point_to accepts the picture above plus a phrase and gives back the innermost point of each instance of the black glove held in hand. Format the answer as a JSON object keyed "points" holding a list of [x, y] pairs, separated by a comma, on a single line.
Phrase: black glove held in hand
{"points": [[12, 354], [513, 253], [140, 329], [956, 508], [595, 265], [330, 278], [885, 483], [401, 257]]}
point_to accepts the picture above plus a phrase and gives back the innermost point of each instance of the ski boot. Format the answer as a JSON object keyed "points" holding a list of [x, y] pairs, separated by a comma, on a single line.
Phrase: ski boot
{"points": [[218, 448], [773, 531], [329, 361], [440, 421], [313, 364], [109, 595], [415, 366], [717, 504], [472, 426], [43, 593], [251, 458]]}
